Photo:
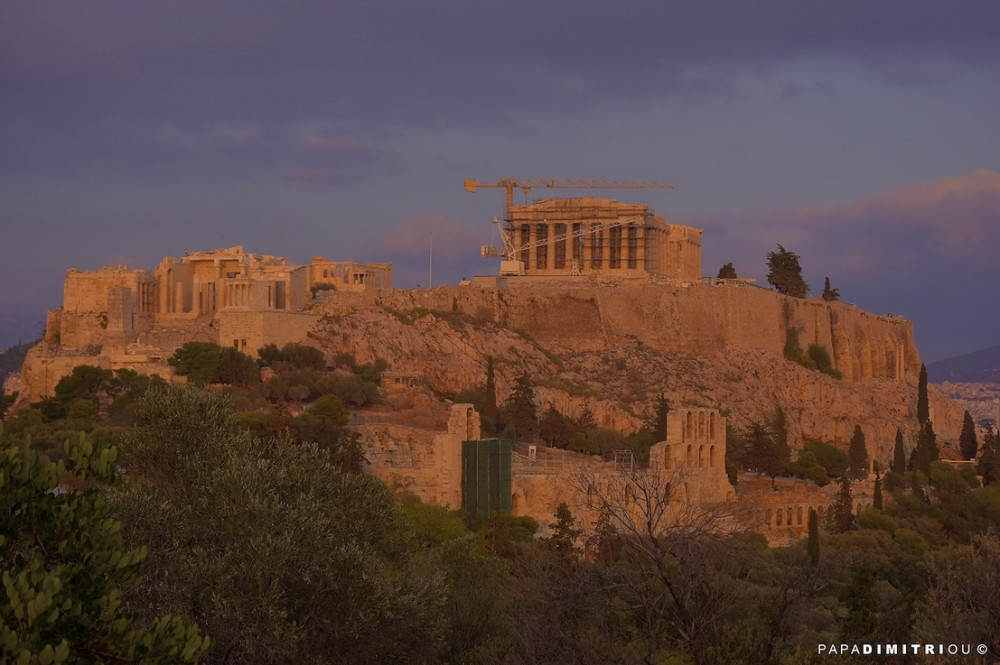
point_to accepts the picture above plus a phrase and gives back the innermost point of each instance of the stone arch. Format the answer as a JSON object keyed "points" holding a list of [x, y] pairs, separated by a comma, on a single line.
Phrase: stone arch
{"points": [[701, 425], [769, 517], [711, 425], [711, 456], [701, 456], [629, 495], [689, 426], [798, 516], [690, 456], [777, 517]]}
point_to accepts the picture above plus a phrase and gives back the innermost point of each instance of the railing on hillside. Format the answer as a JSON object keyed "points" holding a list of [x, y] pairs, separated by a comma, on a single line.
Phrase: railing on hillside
{"points": [[530, 459], [358, 418]]}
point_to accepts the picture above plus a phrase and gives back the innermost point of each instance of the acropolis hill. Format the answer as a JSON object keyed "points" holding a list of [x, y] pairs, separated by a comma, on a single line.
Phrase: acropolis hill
{"points": [[604, 318], [613, 345]]}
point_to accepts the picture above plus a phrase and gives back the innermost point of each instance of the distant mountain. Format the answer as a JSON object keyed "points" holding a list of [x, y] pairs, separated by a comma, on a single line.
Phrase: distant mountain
{"points": [[976, 367]]}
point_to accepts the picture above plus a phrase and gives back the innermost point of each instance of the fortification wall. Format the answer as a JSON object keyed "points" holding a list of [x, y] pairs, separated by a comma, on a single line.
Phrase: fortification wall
{"points": [[426, 463], [250, 330], [43, 368], [697, 319]]}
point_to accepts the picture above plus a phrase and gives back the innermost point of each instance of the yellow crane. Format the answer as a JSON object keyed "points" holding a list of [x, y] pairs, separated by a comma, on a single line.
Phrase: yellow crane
{"points": [[510, 265], [526, 185]]}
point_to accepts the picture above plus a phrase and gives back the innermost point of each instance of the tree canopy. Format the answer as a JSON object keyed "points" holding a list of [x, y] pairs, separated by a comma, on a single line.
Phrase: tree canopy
{"points": [[727, 272], [858, 453], [283, 557], [785, 274], [65, 566], [968, 443]]}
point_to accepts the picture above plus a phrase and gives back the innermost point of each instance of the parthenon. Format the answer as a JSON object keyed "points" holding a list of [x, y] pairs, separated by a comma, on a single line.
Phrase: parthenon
{"points": [[599, 236]]}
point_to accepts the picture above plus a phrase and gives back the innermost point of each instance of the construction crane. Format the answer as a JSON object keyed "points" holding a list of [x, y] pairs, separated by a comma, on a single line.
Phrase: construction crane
{"points": [[511, 265], [526, 185]]}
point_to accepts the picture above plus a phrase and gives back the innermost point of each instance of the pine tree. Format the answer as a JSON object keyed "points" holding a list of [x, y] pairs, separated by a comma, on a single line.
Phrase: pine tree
{"points": [[967, 441], [858, 452], [586, 421], [764, 453], [564, 535], [785, 273], [923, 406], [812, 546], [519, 411], [727, 272]]}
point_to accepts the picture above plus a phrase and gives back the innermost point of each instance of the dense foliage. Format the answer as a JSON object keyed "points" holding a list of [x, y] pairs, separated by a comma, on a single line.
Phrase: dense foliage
{"points": [[262, 527], [65, 566], [785, 274]]}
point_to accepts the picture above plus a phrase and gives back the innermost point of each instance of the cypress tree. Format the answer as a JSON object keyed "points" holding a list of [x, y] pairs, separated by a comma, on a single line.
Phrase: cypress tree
{"points": [[662, 408], [967, 441], [812, 546], [989, 462], [897, 466], [877, 498], [843, 508], [858, 452], [927, 449], [899, 454], [923, 406], [830, 295]]}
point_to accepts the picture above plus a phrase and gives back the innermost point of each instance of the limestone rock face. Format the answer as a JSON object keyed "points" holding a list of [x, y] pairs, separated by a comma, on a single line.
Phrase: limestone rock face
{"points": [[615, 349], [609, 348]]}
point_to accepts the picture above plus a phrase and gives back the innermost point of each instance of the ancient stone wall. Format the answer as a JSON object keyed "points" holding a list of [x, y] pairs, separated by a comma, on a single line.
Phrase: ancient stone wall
{"points": [[250, 330], [349, 276], [702, 320], [696, 448], [428, 464]]}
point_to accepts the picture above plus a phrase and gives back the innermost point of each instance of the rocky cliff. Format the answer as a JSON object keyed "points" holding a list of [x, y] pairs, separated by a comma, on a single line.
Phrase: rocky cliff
{"points": [[614, 349]]}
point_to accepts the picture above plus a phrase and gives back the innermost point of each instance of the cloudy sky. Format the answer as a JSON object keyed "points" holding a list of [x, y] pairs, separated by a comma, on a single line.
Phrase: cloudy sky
{"points": [[864, 136]]}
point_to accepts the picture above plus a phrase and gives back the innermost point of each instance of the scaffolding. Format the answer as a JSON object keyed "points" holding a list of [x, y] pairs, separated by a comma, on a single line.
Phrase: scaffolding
{"points": [[486, 471]]}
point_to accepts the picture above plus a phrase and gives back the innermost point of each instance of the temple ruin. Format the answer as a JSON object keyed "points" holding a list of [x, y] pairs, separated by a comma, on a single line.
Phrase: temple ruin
{"points": [[121, 318], [598, 236]]}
